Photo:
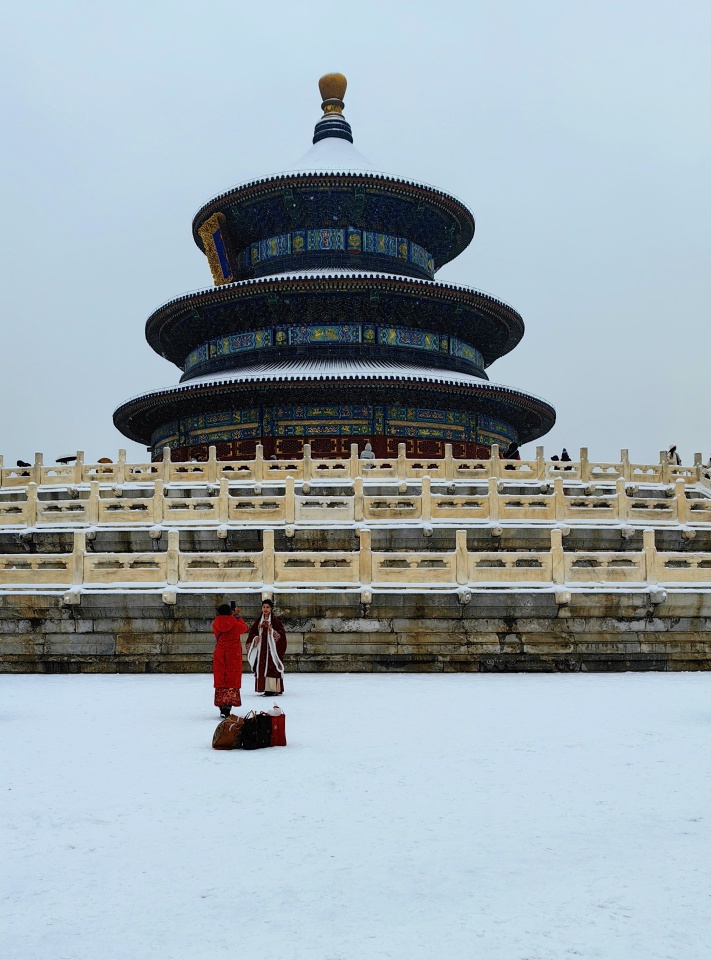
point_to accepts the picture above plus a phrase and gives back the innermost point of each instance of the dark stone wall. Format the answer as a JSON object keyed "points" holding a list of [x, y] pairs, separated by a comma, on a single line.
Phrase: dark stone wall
{"points": [[335, 632]]}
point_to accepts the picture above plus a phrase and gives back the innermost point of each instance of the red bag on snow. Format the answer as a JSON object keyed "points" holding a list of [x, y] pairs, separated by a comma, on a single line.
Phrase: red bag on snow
{"points": [[278, 719]]}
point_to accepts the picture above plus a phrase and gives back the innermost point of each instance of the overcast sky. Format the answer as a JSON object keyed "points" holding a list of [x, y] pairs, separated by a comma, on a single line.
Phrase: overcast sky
{"points": [[578, 133]]}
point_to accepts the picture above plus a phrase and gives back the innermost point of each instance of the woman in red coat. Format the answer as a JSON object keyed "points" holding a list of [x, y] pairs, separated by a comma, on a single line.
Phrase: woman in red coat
{"points": [[266, 647], [227, 658]]}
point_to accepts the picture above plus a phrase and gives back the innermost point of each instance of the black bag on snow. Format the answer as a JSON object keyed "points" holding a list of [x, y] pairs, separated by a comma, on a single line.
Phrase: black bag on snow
{"points": [[257, 731]]}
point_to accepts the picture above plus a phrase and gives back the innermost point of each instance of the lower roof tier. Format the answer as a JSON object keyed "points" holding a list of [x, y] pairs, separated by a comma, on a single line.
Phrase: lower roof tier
{"points": [[333, 296], [365, 397]]}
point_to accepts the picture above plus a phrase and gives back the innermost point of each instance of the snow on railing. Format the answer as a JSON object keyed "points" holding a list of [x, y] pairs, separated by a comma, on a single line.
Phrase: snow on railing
{"points": [[365, 569], [305, 467], [385, 500]]}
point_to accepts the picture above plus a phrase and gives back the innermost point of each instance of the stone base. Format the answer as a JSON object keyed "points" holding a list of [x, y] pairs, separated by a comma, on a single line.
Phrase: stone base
{"points": [[498, 631]]}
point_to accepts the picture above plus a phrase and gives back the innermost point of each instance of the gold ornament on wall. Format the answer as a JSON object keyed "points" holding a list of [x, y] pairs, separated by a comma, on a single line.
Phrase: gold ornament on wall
{"points": [[213, 234]]}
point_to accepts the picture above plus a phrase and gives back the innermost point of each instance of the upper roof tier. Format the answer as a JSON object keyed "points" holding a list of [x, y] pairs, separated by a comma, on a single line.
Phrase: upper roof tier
{"points": [[331, 208]]}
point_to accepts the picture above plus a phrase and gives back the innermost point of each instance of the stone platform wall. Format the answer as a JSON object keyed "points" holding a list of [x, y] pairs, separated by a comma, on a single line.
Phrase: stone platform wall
{"points": [[505, 631]]}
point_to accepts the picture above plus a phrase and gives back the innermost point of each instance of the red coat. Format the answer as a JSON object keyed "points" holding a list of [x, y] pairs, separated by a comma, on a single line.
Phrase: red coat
{"points": [[227, 658]]}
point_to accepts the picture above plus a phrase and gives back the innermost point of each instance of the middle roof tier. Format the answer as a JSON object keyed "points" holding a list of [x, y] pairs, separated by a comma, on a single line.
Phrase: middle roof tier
{"points": [[329, 298]]}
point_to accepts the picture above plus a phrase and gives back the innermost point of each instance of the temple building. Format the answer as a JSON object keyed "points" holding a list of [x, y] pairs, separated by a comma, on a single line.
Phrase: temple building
{"points": [[326, 326]]}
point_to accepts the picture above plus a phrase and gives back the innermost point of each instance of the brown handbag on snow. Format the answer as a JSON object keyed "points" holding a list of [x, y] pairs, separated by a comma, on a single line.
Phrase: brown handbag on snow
{"points": [[228, 735]]}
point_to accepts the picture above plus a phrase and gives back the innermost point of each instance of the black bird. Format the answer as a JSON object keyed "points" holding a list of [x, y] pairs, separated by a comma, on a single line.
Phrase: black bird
{"points": [[66, 459], [21, 463]]}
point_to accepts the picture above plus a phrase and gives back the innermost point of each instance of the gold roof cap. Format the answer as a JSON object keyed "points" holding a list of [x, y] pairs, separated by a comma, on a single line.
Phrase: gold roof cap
{"points": [[333, 89]]}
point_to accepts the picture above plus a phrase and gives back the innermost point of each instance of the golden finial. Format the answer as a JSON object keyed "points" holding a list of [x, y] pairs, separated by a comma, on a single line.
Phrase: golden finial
{"points": [[333, 89]]}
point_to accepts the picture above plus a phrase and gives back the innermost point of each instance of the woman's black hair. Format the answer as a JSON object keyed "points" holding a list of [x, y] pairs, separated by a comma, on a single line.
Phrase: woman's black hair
{"points": [[224, 610], [267, 600]]}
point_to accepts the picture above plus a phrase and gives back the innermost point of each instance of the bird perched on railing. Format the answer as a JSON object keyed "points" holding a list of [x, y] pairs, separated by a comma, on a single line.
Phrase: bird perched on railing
{"points": [[23, 463], [66, 459]]}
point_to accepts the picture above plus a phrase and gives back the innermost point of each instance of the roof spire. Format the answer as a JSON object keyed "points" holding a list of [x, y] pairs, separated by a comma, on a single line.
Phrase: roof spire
{"points": [[332, 123]]}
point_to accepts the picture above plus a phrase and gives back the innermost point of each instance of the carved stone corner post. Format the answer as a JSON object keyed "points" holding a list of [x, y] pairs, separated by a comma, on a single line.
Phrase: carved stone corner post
{"points": [[650, 556], [462, 558], [268, 560], [365, 557], [557, 555]]}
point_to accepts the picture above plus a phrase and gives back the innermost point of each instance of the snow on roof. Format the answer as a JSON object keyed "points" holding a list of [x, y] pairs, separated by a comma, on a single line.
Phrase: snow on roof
{"points": [[337, 271], [333, 154], [304, 369], [314, 273], [321, 369]]}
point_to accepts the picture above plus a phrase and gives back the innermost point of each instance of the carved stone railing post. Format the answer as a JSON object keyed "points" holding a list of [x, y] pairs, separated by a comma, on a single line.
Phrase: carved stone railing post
{"points": [[121, 468], [665, 471], [79, 467], [426, 500], [307, 462], [402, 461], [212, 464], [625, 464], [623, 507], [557, 555], [365, 557], [493, 498], [358, 499], [698, 467], [259, 463], [93, 505], [461, 558], [158, 502], [448, 462], [540, 463], [223, 502], [559, 495], [31, 509], [173, 558], [289, 500], [37, 469], [355, 462], [495, 465], [268, 558], [78, 554], [650, 556], [584, 465], [682, 506], [166, 464]]}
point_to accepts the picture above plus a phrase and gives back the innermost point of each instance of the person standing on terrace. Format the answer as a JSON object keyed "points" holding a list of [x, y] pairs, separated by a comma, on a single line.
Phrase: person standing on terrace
{"points": [[228, 627], [266, 647]]}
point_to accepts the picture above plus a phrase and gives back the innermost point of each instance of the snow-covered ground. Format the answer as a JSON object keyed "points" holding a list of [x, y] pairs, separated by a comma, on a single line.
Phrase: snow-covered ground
{"points": [[412, 817]]}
